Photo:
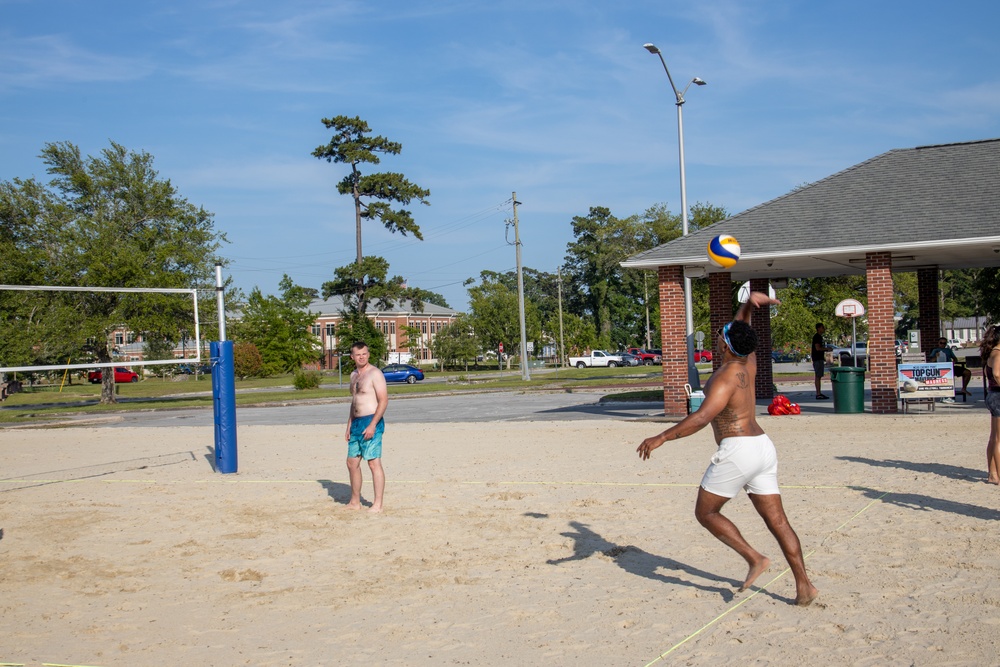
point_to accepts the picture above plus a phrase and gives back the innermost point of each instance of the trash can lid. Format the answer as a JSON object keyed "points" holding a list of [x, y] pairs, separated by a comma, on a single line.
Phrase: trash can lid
{"points": [[846, 369]]}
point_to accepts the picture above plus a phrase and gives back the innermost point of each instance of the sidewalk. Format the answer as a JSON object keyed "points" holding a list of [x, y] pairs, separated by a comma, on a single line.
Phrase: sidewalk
{"points": [[804, 393]]}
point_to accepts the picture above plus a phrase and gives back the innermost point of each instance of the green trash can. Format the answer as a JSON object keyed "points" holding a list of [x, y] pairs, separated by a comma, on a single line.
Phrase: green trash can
{"points": [[848, 389]]}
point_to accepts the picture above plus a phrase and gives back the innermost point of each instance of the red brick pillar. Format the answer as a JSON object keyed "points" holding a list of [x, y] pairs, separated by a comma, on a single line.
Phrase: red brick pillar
{"points": [[720, 306], [930, 312], [761, 322], [881, 332], [672, 328]]}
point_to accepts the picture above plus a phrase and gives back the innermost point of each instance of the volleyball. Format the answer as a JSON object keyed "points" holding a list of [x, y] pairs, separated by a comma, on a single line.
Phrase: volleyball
{"points": [[724, 251]]}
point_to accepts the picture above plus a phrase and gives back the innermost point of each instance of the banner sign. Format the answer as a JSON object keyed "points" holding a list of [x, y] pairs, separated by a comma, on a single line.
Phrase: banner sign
{"points": [[927, 380]]}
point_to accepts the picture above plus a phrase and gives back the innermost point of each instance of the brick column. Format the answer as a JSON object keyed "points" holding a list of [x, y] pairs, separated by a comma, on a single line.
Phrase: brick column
{"points": [[881, 332], [761, 322], [672, 327], [929, 323], [720, 307]]}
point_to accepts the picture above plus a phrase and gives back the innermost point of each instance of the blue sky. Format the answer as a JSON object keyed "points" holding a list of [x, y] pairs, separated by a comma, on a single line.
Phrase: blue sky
{"points": [[557, 101]]}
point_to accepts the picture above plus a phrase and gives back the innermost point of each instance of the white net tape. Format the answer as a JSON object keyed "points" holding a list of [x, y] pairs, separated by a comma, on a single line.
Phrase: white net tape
{"points": [[112, 364]]}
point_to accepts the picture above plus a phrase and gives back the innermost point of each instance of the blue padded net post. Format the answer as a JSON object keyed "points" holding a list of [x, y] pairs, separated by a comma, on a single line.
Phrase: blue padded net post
{"points": [[224, 403]]}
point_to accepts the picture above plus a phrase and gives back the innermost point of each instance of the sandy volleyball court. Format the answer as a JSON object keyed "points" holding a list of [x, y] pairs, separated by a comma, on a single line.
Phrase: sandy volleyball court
{"points": [[515, 543]]}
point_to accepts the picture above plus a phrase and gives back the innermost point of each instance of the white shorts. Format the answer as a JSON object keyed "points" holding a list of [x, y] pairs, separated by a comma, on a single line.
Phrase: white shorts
{"points": [[743, 462]]}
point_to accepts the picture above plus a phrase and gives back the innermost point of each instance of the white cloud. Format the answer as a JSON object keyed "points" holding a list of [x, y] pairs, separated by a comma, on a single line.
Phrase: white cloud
{"points": [[51, 60]]}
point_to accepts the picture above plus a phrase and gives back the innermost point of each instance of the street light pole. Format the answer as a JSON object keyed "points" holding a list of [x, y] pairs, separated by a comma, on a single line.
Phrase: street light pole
{"points": [[693, 378]]}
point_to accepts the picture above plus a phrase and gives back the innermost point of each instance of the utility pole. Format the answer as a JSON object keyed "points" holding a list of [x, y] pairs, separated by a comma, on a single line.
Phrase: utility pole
{"points": [[562, 345], [525, 373]]}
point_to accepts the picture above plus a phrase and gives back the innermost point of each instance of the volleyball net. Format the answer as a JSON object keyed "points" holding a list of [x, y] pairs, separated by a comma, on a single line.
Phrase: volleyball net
{"points": [[137, 356]]}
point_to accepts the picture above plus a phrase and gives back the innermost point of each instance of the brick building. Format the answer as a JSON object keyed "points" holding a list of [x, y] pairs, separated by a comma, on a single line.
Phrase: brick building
{"points": [[916, 210], [390, 322]]}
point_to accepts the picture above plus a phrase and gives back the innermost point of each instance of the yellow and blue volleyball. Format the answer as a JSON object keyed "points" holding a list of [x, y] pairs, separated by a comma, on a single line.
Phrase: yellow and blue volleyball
{"points": [[724, 251]]}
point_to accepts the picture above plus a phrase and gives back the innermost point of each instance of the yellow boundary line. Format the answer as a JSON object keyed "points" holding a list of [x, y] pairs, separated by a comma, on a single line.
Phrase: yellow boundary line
{"points": [[397, 481], [761, 588]]}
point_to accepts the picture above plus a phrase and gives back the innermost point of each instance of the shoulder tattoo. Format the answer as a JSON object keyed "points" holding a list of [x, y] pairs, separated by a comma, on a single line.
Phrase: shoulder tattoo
{"points": [[741, 380]]}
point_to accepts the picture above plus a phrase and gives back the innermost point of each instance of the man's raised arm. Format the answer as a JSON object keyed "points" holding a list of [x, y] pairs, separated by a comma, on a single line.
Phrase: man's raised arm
{"points": [[754, 301]]}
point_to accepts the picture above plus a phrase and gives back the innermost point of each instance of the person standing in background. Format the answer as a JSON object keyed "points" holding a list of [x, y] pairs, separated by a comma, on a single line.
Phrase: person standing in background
{"points": [[819, 350]]}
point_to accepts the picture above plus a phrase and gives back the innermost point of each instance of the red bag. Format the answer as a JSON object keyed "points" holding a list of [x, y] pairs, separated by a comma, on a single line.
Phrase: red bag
{"points": [[777, 409], [781, 399], [794, 409]]}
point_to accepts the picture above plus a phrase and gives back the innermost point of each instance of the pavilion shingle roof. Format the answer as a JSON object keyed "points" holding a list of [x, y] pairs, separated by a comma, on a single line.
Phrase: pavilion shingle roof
{"points": [[913, 196]]}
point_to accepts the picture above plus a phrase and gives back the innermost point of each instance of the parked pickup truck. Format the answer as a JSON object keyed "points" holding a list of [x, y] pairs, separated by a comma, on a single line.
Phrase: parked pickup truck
{"points": [[597, 358], [845, 357], [646, 357], [121, 375]]}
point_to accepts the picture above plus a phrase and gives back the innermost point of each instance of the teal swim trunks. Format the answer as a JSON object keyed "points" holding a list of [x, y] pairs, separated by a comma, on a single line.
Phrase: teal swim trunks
{"points": [[358, 446]]}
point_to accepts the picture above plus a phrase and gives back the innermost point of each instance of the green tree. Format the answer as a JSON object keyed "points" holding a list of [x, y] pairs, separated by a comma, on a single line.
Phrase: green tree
{"points": [[658, 226], [106, 221], [793, 322], [807, 301], [413, 341], [158, 347], [987, 284], [371, 273], [280, 328], [373, 194], [495, 315], [426, 296], [616, 299], [541, 295], [579, 334], [355, 327], [959, 296], [601, 242], [456, 343]]}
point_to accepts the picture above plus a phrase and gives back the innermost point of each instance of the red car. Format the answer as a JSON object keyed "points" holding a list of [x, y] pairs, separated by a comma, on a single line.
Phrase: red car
{"points": [[702, 355], [121, 375]]}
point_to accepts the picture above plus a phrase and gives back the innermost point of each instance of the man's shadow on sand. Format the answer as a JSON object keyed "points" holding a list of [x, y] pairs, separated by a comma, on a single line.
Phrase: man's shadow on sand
{"points": [[643, 564], [340, 492], [922, 503], [942, 469]]}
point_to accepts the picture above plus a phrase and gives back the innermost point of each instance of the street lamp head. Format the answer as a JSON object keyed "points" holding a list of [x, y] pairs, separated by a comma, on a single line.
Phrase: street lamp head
{"points": [[652, 48], [698, 82]]}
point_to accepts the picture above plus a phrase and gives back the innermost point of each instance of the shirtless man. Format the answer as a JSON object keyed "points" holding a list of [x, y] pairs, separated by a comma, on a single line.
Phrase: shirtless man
{"points": [[745, 458], [369, 399]]}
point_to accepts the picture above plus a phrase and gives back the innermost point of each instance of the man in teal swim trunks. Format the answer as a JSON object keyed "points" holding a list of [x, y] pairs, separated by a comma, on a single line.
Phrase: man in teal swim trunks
{"points": [[369, 399]]}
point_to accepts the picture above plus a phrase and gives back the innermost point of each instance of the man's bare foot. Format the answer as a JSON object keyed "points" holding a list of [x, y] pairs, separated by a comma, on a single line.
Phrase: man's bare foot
{"points": [[993, 481], [353, 506], [375, 509], [755, 571], [805, 598]]}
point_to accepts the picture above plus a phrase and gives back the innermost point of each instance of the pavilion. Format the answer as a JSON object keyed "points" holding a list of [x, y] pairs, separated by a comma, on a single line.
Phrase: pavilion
{"points": [[918, 209]]}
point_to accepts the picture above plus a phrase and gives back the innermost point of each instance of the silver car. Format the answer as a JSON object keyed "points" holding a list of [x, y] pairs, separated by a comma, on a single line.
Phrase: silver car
{"points": [[630, 359]]}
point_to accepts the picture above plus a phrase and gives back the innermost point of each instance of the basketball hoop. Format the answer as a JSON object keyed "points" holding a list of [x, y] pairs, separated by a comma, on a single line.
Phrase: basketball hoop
{"points": [[849, 308]]}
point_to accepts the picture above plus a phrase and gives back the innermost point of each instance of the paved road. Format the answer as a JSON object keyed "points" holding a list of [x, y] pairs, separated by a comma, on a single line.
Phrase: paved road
{"points": [[487, 407]]}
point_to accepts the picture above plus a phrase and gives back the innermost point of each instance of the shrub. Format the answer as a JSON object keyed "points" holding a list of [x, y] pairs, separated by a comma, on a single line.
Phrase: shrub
{"points": [[247, 361], [307, 379]]}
